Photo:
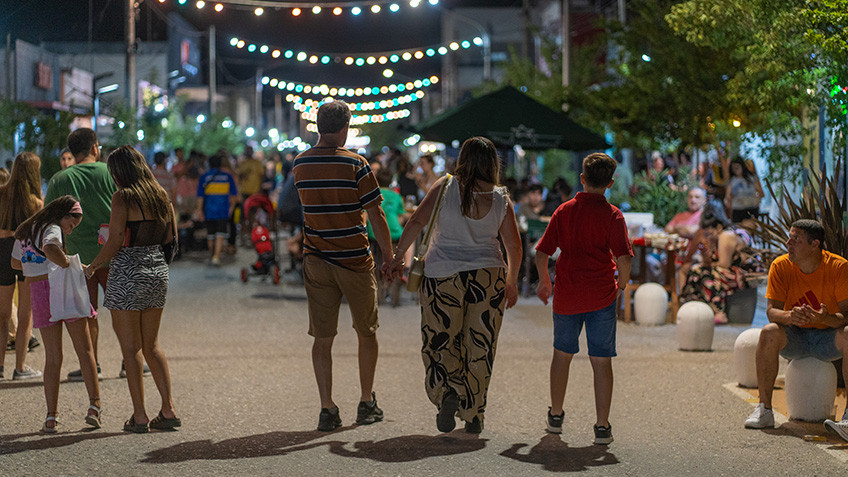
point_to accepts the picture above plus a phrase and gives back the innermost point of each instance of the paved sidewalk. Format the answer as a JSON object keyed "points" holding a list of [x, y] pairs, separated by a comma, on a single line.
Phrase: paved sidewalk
{"points": [[244, 388]]}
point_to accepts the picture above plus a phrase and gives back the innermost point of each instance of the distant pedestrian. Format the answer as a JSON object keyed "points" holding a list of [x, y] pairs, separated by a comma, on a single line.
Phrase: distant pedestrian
{"points": [[39, 240], [335, 187], [67, 159], [142, 221], [467, 284], [89, 181], [217, 196], [592, 238], [20, 199], [165, 177]]}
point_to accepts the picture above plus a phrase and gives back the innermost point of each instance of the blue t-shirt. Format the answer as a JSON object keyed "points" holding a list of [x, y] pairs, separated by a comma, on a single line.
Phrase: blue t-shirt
{"points": [[216, 187]]}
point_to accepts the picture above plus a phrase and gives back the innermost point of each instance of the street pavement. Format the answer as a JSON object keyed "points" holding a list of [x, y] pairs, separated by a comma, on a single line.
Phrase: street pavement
{"points": [[244, 388]]}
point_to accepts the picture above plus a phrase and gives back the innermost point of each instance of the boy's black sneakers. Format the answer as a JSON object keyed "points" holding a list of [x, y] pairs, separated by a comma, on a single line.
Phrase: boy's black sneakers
{"points": [[329, 419], [446, 418], [475, 426], [555, 422], [367, 412], [603, 435]]}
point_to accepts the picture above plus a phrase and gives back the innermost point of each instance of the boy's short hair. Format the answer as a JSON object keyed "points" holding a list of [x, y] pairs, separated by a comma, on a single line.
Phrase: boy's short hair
{"points": [[813, 229], [81, 141], [333, 117], [216, 161], [598, 169], [384, 177]]}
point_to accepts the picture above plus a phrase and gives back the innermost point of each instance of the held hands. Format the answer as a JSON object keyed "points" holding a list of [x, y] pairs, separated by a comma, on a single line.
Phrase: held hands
{"points": [[393, 268], [88, 270], [805, 315]]}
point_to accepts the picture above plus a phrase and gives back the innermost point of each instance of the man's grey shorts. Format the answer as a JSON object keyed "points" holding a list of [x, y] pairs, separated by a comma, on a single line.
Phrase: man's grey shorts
{"points": [[810, 342]]}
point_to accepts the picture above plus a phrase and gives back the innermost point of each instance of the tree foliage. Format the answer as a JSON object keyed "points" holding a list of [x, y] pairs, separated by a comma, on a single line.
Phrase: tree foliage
{"points": [[44, 133]]}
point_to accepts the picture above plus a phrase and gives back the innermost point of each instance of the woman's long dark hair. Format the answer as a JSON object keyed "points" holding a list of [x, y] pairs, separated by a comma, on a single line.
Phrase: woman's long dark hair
{"points": [[33, 227], [746, 173], [136, 183], [713, 215], [19, 196], [478, 161]]}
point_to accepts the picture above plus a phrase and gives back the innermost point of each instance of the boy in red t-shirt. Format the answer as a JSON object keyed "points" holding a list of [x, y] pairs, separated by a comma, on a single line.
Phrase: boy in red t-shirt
{"points": [[592, 237]]}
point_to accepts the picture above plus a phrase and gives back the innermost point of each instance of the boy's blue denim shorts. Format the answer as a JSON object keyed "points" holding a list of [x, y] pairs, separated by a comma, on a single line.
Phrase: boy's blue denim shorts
{"points": [[810, 343], [600, 332]]}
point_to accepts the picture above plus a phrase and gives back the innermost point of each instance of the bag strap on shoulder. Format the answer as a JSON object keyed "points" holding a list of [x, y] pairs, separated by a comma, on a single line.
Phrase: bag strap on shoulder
{"points": [[422, 249]]}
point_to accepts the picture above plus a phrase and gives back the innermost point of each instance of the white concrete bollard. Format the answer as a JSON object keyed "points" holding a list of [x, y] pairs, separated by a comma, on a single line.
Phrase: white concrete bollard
{"points": [[745, 357], [695, 326], [810, 389], [650, 302]]}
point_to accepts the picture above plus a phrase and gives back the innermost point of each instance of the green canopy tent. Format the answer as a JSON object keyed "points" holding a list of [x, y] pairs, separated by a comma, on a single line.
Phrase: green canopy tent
{"points": [[509, 117]]}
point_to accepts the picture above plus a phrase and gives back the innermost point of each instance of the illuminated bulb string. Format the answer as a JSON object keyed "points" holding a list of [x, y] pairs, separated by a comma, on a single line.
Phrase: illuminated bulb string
{"points": [[301, 8], [349, 92], [357, 119], [382, 57], [312, 105]]}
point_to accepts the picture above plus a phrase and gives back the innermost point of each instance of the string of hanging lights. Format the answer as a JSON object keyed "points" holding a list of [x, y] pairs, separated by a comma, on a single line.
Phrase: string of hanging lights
{"points": [[362, 59], [349, 92], [298, 8]]}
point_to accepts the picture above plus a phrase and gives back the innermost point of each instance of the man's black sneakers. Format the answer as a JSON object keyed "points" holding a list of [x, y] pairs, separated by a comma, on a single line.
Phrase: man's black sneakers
{"points": [[329, 419], [603, 435], [367, 412]]}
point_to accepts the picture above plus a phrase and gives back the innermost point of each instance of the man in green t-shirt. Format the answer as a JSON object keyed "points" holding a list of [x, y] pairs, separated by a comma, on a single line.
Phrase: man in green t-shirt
{"points": [[90, 182]]}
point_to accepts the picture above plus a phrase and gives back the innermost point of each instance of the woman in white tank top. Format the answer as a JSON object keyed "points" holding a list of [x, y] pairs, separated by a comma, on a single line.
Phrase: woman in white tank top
{"points": [[467, 283]]}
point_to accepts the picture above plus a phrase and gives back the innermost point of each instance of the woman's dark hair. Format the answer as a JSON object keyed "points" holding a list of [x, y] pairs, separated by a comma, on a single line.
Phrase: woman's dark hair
{"points": [[51, 214], [746, 173], [136, 184], [713, 215], [478, 161]]}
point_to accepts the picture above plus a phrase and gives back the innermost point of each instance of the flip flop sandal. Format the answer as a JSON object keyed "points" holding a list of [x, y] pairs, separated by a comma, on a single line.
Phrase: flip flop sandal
{"points": [[93, 420], [131, 426], [50, 430], [164, 423]]}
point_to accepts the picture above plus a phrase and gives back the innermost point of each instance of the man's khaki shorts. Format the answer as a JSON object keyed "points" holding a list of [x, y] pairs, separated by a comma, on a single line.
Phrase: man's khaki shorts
{"points": [[326, 284]]}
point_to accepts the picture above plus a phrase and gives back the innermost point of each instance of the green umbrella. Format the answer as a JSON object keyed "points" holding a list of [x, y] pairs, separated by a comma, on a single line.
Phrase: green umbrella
{"points": [[509, 117]]}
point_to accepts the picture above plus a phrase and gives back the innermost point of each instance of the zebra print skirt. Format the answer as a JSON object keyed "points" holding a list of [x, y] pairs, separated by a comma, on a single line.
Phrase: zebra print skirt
{"points": [[138, 279]]}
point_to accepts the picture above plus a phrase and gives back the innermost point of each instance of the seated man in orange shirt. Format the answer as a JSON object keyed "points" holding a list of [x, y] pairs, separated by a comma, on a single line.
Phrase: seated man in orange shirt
{"points": [[808, 312]]}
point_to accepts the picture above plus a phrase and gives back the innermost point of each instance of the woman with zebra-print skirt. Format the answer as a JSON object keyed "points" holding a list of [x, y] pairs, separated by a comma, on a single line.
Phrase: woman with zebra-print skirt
{"points": [[142, 221], [467, 284]]}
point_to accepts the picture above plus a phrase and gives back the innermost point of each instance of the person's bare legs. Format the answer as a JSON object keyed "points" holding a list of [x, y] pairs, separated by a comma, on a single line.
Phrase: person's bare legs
{"points": [[560, 365], [219, 245], [52, 338], [150, 321], [7, 294], [842, 344], [368, 350], [602, 370], [322, 364], [127, 325], [772, 340], [81, 339], [24, 332]]}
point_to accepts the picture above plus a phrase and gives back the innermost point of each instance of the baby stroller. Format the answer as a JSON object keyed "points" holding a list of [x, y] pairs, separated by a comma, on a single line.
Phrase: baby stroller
{"points": [[259, 213]]}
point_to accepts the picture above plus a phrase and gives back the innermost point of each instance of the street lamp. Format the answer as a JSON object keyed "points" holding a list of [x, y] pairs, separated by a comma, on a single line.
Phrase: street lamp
{"points": [[484, 36], [106, 89]]}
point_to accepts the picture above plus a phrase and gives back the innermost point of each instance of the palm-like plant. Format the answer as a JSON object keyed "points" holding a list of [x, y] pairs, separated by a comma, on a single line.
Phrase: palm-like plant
{"points": [[819, 201]]}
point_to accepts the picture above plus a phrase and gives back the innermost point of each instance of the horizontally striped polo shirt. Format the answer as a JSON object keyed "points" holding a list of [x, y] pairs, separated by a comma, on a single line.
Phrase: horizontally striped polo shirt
{"points": [[335, 185]]}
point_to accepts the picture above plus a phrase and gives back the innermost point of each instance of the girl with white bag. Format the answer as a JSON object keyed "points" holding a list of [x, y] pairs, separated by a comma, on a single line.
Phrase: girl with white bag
{"points": [[57, 287]]}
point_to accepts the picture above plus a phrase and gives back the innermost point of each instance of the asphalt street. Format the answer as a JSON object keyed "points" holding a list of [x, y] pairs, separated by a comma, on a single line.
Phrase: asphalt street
{"points": [[244, 388]]}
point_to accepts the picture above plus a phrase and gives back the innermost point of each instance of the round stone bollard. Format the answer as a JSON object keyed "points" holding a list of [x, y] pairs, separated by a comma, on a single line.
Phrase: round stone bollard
{"points": [[745, 357], [650, 302], [810, 389], [695, 326]]}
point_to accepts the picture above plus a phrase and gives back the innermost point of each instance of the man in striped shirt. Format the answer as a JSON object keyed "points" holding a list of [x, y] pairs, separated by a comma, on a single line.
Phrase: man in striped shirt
{"points": [[338, 191]]}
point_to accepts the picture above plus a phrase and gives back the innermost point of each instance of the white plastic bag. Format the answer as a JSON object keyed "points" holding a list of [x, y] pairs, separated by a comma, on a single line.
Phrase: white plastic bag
{"points": [[68, 291]]}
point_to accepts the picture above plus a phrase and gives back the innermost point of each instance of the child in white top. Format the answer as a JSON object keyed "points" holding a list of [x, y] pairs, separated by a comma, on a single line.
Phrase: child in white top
{"points": [[38, 240]]}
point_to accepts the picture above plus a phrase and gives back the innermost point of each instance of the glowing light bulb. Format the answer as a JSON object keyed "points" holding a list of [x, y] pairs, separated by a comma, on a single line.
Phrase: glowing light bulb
{"points": [[240, 44], [200, 4], [454, 46], [355, 10], [337, 11], [251, 47], [275, 53], [383, 60], [443, 50], [371, 60], [295, 12], [233, 41], [219, 7], [316, 9], [258, 12], [375, 9], [478, 41], [394, 7], [419, 54], [301, 56], [388, 73], [407, 56], [263, 49], [348, 61]]}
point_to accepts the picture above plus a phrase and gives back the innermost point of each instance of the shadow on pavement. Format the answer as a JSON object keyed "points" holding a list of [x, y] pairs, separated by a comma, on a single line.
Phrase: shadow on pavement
{"points": [[409, 448], [555, 456], [31, 383], [259, 445], [66, 438], [279, 296]]}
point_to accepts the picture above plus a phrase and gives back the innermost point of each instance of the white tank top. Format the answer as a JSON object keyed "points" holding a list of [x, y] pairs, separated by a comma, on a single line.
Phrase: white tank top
{"points": [[460, 243]]}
